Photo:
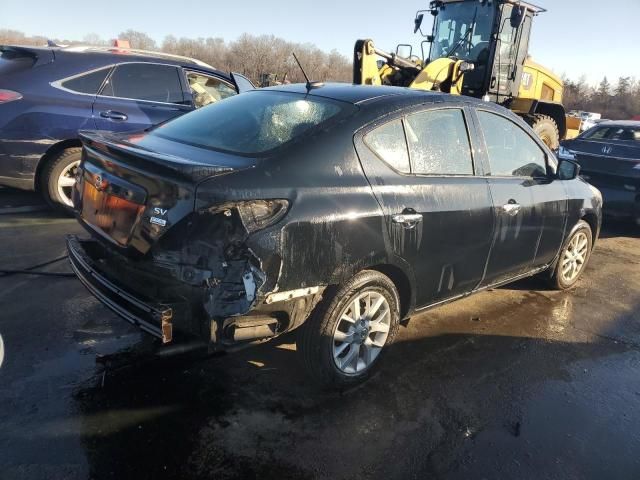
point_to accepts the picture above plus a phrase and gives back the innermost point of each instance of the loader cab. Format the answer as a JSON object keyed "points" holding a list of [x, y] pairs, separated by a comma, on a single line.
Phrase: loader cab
{"points": [[494, 35]]}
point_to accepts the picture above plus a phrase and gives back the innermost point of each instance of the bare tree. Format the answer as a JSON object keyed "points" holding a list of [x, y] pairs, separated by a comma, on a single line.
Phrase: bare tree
{"points": [[138, 40], [94, 40]]}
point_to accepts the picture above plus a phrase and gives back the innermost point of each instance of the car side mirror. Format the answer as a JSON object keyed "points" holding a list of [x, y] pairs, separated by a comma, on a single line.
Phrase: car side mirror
{"points": [[568, 170], [517, 17], [417, 22]]}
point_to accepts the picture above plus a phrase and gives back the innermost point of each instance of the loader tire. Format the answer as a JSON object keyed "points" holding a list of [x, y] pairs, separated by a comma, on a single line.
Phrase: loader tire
{"points": [[546, 128]]}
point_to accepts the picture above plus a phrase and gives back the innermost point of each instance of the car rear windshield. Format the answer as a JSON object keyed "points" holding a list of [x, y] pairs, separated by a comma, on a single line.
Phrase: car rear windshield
{"points": [[13, 61], [252, 123], [631, 134]]}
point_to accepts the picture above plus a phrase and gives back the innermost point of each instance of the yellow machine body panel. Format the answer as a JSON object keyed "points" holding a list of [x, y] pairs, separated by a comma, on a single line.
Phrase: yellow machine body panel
{"points": [[539, 83], [573, 127], [371, 74], [438, 72]]}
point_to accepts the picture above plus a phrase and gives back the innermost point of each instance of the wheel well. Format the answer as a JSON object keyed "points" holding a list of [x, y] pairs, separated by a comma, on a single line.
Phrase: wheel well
{"points": [[50, 153], [592, 220], [401, 281], [555, 111]]}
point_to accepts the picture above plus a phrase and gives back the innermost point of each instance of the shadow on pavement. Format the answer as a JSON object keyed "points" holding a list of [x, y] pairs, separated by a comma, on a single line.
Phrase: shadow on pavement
{"points": [[454, 405], [612, 228]]}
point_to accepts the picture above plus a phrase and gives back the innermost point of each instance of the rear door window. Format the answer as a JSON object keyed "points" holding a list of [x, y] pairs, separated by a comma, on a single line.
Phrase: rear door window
{"points": [[87, 83], [439, 143], [145, 81], [388, 142], [512, 152]]}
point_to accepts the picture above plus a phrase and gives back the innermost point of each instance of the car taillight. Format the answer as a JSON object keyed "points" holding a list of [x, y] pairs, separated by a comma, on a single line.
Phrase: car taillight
{"points": [[9, 96], [258, 214]]}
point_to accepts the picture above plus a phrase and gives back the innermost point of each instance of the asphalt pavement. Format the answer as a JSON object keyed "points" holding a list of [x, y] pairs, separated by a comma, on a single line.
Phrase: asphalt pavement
{"points": [[520, 382]]}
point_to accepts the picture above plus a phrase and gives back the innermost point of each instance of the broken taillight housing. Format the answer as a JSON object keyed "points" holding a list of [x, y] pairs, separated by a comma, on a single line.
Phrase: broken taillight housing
{"points": [[259, 214], [7, 96]]}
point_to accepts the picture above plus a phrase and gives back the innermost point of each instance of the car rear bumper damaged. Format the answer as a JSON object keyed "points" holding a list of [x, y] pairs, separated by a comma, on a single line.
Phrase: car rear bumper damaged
{"points": [[194, 310], [154, 319]]}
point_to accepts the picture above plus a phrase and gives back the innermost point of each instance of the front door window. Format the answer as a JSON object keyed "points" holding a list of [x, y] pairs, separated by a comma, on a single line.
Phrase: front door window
{"points": [[206, 89]]}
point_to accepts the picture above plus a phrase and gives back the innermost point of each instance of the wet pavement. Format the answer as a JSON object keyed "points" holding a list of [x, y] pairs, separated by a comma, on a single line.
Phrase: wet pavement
{"points": [[520, 382]]}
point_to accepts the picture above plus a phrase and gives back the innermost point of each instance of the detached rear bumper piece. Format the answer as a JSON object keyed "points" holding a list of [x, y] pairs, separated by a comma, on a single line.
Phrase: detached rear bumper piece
{"points": [[154, 319]]}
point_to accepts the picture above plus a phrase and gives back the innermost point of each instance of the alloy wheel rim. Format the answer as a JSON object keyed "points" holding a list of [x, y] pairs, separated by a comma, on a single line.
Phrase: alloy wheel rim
{"points": [[361, 332], [575, 256], [66, 181]]}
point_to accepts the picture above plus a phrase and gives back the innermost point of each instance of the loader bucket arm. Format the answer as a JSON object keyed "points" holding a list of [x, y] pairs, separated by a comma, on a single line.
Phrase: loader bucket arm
{"points": [[365, 64]]}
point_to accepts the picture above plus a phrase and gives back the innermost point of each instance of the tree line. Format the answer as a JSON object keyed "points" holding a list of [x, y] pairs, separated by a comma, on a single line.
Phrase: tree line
{"points": [[620, 101], [249, 55], [254, 55]]}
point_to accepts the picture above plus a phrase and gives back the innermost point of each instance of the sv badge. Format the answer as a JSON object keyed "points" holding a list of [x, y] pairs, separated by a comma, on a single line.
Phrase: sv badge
{"points": [[160, 211]]}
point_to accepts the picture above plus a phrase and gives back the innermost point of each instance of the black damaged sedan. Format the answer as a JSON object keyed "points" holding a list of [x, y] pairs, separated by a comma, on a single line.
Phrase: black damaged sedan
{"points": [[336, 211]]}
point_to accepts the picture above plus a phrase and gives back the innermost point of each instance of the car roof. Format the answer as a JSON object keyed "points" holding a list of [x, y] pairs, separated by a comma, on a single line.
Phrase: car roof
{"points": [[619, 123], [120, 54], [136, 53], [355, 94]]}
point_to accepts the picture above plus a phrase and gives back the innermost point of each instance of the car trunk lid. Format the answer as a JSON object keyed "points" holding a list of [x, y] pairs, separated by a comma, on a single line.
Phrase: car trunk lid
{"points": [[610, 157], [130, 194]]}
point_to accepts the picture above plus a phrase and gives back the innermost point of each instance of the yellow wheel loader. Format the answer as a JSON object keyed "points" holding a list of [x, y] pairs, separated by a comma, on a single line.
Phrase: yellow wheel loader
{"points": [[477, 48]]}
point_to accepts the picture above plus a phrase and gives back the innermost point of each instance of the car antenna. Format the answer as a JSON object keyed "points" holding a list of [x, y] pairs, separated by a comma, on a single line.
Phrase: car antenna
{"points": [[310, 85]]}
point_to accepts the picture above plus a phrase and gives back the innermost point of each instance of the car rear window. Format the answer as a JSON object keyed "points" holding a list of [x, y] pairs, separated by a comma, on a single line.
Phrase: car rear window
{"points": [[631, 134], [88, 82], [252, 123], [12, 61]]}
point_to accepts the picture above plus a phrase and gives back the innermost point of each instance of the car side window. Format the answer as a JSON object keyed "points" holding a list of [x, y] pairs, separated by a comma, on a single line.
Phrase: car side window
{"points": [[206, 89], [439, 142], [389, 143], [626, 134], [145, 81], [512, 152], [88, 83]]}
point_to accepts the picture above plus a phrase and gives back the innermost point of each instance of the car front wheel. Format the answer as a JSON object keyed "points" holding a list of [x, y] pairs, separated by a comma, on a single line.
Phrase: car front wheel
{"points": [[573, 258], [349, 330]]}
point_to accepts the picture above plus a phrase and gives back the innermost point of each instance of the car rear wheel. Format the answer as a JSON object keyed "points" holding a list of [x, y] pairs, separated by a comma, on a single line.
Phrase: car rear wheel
{"points": [[349, 330], [573, 258], [59, 177]]}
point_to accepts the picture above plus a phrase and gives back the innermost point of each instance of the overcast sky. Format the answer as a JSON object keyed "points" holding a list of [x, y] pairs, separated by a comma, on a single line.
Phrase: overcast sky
{"points": [[575, 37]]}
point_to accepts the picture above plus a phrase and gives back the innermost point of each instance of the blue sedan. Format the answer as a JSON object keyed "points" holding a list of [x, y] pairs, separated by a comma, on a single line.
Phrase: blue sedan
{"points": [[48, 94]]}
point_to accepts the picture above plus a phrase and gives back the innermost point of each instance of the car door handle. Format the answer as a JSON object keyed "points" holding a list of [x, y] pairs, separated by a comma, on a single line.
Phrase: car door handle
{"points": [[110, 114], [512, 208], [407, 220]]}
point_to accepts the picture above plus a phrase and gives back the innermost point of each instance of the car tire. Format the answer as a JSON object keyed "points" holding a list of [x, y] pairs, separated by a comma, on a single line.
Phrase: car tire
{"points": [[547, 129], [339, 353], [56, 184], [575, 253]]}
